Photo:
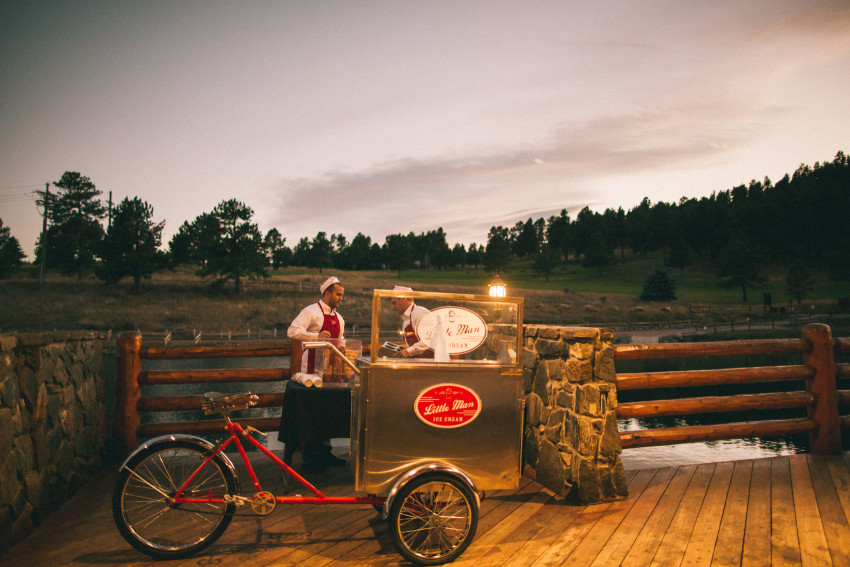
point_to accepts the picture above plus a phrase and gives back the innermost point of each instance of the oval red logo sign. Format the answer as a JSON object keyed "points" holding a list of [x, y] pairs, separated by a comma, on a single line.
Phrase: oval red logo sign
{"points": [[447, 405]]}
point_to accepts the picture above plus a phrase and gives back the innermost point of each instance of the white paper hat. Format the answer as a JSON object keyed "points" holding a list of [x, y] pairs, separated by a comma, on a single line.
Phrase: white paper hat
{"points": [[401, 288], [328, 283]]}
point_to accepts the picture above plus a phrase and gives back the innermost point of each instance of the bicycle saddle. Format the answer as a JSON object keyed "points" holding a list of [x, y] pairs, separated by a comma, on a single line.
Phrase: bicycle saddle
{"points": [[213, 402]]}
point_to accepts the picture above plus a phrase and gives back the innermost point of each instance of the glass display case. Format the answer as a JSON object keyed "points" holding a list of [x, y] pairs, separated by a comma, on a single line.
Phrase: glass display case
{"points": [[454, 327], [453, 397]]}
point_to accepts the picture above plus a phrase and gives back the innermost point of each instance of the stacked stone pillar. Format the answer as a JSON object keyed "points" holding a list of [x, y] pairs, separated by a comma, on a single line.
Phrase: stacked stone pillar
{"points": [[53, 423], [571, 444]]}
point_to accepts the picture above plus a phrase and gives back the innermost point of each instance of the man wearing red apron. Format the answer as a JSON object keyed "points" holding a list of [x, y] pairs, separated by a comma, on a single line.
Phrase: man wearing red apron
{"points": [[411, 314], [319, 320]]}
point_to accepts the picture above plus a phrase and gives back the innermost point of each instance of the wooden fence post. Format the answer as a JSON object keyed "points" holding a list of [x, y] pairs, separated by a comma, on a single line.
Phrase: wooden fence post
{"points": [[827, 438], [295, 357], [128, 392]]}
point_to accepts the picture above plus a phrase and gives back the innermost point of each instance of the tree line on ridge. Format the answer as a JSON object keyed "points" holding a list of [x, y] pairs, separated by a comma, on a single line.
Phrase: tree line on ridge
{"points": [[799, 221]]}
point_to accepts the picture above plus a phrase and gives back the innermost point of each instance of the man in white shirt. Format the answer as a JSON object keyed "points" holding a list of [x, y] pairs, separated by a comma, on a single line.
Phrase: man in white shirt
{"points": [[411, 314], [319, 320]]}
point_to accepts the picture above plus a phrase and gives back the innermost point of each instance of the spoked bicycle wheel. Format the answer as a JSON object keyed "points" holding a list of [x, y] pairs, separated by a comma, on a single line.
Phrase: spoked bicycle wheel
{"points": [[433, 519], [142, 502]]}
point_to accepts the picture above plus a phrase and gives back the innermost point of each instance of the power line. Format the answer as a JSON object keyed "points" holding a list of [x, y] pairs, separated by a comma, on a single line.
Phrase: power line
{"points": [[13, 187], [18, 197]]}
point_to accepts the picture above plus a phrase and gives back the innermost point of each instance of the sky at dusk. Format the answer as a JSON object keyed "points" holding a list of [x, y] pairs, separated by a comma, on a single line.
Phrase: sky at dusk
{"points": [[391, 117]]}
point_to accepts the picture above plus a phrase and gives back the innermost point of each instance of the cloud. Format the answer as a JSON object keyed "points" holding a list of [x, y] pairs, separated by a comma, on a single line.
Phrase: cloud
{"points": [[467, 194]]}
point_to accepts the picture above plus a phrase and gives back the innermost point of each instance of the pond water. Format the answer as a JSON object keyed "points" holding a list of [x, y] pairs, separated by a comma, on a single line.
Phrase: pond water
{"points": [[709, 452]]}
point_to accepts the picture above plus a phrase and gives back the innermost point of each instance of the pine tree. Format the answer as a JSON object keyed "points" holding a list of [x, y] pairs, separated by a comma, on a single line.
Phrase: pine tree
{"points": [[10, 251], [74, 235], [131, 246], [659, 286]]}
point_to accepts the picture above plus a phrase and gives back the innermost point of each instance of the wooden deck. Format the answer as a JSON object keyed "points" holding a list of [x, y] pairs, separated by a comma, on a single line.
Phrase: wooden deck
{"points": [[780, 511]]}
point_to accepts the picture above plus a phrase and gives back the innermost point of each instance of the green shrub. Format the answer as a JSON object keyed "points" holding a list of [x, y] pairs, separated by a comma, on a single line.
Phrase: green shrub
{"points": [[659, 286]]}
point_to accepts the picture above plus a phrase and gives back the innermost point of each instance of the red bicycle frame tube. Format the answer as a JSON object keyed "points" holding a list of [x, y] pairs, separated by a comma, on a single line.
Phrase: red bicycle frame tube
{"points": [[235, 431]]}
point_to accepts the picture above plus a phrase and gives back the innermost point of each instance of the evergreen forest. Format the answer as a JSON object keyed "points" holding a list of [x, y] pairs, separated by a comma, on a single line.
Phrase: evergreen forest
{"points": [[796, 223]]}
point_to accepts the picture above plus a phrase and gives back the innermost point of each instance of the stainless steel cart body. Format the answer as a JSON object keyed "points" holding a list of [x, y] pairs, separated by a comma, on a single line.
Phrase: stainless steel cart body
{"points": [[393, 439], [463, 414]]}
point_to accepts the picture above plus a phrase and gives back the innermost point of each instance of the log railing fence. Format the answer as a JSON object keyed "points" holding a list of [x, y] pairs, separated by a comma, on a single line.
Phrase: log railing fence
{"points": [[129, 402], [819, 371], [821, 396]]}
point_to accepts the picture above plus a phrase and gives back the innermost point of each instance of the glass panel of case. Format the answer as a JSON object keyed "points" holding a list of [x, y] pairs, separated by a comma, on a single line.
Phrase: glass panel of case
{"points": [[445, 327]]}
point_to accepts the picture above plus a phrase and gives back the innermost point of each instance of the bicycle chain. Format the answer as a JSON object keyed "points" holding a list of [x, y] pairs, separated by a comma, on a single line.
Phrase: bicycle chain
{"points": [[262, 503]]}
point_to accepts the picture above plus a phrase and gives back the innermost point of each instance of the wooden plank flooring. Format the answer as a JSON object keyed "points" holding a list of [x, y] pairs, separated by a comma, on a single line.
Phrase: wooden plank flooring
{"points": [[780, 511]]}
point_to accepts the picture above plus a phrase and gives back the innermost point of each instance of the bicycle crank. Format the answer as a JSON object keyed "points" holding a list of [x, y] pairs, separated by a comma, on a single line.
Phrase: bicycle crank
{"points": [[263, 503]]}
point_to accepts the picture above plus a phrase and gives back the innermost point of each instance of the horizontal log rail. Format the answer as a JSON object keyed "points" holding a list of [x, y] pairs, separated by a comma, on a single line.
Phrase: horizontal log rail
{"points": [[151, 377], [680, 378], [146, 430], [213, 351], [188, 403], [714, 404], [722, 348], [819, 375]]}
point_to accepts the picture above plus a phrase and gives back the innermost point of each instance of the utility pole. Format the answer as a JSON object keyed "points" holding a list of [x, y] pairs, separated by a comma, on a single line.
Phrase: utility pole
{"points": [[109, 222], [44, 232]]}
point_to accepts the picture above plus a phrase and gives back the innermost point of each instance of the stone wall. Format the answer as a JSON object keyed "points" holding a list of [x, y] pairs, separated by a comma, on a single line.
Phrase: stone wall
{"points": [[53, 423], [571, 444]]}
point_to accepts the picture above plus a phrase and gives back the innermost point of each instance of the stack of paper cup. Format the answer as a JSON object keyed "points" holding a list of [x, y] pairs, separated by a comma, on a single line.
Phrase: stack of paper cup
{"points": [[308, 380]]}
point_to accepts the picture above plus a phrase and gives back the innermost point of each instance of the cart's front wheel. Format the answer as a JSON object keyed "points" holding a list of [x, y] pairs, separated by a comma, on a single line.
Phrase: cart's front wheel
{"points": [[433, 519], [149, 519]]}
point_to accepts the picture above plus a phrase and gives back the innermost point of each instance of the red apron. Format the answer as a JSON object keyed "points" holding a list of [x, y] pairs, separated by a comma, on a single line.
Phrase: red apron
{"points": [[411, 339], [331, 325]]}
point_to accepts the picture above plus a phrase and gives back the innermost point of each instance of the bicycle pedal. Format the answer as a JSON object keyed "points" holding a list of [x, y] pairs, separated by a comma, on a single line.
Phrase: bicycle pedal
{"points": [[236, 499], [263, 503]]}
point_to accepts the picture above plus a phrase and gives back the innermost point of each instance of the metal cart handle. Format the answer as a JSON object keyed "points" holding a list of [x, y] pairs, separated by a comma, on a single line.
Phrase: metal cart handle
{"points": [[320, 344]]}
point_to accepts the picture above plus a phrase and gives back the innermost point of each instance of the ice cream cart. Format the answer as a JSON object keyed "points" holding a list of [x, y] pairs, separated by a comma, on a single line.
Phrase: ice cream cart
{"points": [[430, 434]]}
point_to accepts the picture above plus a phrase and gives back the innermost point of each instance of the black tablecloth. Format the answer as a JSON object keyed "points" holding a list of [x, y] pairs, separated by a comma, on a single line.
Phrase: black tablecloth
{"points": [[313, 414]]}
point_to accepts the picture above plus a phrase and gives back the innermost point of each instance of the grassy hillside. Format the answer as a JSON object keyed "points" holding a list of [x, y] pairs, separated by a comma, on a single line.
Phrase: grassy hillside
{"points": [[579, 295], [181, 302], [697, 284]]}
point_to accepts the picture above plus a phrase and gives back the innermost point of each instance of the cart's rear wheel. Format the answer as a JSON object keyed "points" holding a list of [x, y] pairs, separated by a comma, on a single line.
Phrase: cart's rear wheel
{"points": [[433, 519]]}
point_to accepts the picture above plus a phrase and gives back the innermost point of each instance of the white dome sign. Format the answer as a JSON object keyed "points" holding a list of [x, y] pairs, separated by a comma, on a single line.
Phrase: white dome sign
{"points": [[465, 330]]}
